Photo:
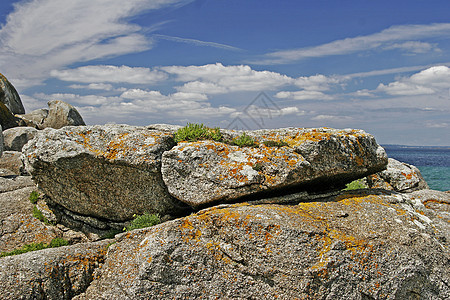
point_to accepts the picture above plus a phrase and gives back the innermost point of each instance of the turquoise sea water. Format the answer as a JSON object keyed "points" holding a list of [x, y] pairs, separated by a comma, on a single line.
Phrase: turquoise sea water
{"points": [[433, 163]]}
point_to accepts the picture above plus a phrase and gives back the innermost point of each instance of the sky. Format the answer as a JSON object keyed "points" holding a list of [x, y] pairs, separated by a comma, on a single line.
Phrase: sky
{"points": [[381, 66]]}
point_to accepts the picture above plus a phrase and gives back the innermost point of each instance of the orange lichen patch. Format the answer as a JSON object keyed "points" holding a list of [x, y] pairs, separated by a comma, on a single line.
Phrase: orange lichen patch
{"points": [[427, 203]]}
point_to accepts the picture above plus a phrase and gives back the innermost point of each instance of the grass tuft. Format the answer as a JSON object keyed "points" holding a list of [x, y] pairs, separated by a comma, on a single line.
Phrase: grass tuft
{"points": [[196, 132], [244, 141], [142, 221], [355, 185], [34, 197], [56, 242], [38, 215]]}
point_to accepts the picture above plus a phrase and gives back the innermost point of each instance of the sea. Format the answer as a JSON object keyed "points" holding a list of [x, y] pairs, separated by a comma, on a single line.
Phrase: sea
{"points": [[433, 162]]}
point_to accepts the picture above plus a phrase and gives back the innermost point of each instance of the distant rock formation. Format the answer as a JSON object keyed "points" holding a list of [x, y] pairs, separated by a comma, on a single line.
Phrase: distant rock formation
{"points": [[398, 176], [58, 115]]}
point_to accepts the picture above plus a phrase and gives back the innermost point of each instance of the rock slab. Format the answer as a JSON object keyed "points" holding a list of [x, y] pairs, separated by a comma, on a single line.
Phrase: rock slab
{"points": [[360, 245], [15, 138], [9, 96], [110, 172], [204, 172]]}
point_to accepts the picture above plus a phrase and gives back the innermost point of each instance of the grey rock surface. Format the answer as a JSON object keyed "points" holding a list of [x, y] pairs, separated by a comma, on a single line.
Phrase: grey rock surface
{"points": [[204, 172], [15, 200], [61, 114], [11, 164], [54, 274], [361, 245], [34, 119], [1, 141], [7, 118], [110, 172], [10, 97], [20, 229], [15, 138], [398, 176]]}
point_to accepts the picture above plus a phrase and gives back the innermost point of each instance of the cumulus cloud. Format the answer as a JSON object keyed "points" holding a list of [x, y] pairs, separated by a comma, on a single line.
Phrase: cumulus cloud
{"points": [[430, 81], [42, 35], [217, 78], [388, 37], [102, 74]]}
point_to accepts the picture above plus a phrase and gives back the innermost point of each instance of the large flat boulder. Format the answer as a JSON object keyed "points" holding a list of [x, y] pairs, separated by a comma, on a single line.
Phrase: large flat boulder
{"points": [[11, 164], [9, 96], [203, 172], [109, 172], [54, 274], [398, 176], [360, 245]]}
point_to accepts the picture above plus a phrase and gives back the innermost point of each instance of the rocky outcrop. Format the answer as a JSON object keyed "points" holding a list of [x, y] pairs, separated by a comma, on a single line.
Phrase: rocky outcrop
{"points": [[16, 138], [106, 172], [7, 119], [398, 176], [57, 273], [58, 115], [9, 96], [361, 245], [204, 172]]}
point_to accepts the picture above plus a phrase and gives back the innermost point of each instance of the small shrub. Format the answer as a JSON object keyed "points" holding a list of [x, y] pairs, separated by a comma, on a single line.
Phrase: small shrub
{"points": [[142, 221], [275, 143], [34, 197], [196, 132], [244, 141], [355, 185], [56, 242]]}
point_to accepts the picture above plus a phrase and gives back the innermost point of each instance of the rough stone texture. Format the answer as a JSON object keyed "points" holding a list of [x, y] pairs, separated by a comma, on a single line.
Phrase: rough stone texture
{"points": [[202, 172], [15, 201], [16, 138], [11, 164], [1, 141], [110, 172], [35, 118], [20, 229], [10, 97], [61, 114], [398, 176], [360, 245], [57, 273], [7, 119]]}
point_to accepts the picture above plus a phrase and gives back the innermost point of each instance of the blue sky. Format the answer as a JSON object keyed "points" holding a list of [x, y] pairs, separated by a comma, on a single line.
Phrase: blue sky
{"points": [[381, 66]]}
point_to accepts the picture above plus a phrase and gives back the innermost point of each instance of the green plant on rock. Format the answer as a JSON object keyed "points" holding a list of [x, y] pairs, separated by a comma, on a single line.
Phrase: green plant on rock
{"points": [[142, 221], [278, 143], [56, 242], [38, 215], [355, 185], [257, 167], [244, 140], [34, 197], [196, 132]]}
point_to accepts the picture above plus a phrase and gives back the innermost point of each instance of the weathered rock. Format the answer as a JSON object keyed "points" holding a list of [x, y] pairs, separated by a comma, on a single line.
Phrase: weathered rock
{"points": [[109, 172], [61, 114], [1, 141], [202, 172], [57, 273], [15, 138], [398, 176], [34, 119], [11, 164], [365, 245], [19, 229], [7, 119], [15, 200], [10, 97]]}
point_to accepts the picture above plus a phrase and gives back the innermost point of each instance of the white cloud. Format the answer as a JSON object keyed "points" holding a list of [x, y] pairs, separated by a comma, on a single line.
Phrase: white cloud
{"points": [[433, 80], [101, 74], [217, 78], [303, 95], [380, 39], [196, 42], [331, 118], [74, 99], [413, 47], [317, 82], [93, 86], [42, 35], [437, 125]]}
